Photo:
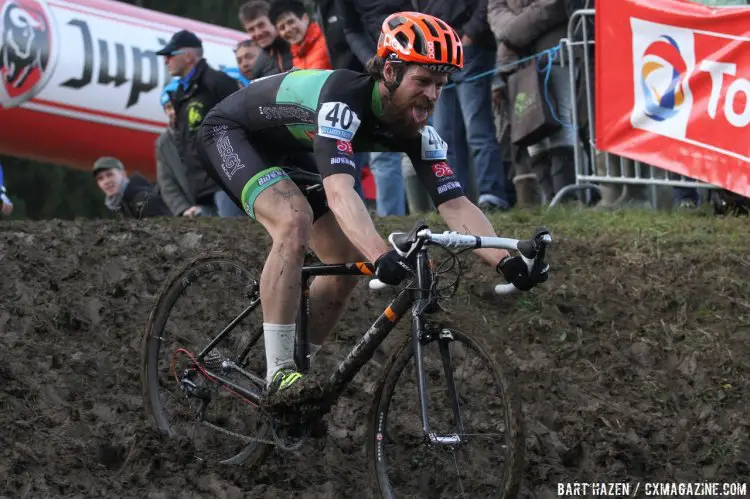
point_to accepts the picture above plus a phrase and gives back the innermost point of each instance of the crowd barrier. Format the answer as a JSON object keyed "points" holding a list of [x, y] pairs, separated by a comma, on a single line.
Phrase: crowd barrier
{"points": [[594, 167]]}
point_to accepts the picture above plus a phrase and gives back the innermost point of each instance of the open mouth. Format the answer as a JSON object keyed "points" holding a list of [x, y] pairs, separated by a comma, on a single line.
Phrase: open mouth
{"points": [[420, 114]]}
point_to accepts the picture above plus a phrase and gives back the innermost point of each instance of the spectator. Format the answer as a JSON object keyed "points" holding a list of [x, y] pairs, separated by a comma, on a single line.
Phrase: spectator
{"points": [[131, 197], [527, 27], [171, 177], [5, 205], [200, 89], [305, 38], [332, 21], [364, 19], [246, 52], [237, 75], [275, 56], [463, 114]]}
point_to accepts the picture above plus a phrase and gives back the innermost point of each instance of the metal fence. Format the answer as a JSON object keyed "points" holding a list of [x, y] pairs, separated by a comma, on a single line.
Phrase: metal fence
{"points": [[596, 169]]}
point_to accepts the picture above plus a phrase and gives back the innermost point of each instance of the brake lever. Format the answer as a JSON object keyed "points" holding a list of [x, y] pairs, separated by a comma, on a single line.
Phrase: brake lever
{"points": [[542, 239]]}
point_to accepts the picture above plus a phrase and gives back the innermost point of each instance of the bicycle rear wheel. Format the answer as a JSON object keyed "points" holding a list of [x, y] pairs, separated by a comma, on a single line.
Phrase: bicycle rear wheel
{"points": [[488, 460], [181, 396]]}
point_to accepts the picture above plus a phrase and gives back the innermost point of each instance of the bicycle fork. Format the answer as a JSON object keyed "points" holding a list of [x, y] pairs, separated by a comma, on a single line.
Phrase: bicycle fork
{"points": [[420, 338]]}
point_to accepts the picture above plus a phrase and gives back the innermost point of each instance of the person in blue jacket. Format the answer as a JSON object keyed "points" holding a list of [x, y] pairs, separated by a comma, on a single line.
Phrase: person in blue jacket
{"points": [[237, 75], [5, 205]]}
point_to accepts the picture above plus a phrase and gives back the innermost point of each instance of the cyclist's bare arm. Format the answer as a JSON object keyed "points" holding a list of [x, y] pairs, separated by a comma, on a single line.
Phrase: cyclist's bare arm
{"points": [[352, 215], [464, 217]]}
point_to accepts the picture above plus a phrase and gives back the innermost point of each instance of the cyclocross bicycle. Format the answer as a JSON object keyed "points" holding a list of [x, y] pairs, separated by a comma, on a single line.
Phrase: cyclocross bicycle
{"points": [[424, 420]]}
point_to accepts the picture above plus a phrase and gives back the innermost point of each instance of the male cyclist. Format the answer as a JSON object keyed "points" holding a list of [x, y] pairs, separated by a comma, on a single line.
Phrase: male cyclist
{"points": [[256, 136]]}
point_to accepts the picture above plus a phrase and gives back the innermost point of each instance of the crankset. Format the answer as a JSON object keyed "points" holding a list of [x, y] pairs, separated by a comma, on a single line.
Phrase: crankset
{"points": [[290, 433]]}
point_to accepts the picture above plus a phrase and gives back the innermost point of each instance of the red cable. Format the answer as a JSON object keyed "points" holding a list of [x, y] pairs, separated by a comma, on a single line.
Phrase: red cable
{"points": [[205, 373]]}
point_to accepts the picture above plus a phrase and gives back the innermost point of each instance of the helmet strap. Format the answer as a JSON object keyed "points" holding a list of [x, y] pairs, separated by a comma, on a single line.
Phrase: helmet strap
{"points": [[399, 69]]}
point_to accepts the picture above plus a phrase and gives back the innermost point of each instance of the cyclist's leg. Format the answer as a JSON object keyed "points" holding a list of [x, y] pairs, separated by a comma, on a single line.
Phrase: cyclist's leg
{"points": [[328, 294], [267, 195]]}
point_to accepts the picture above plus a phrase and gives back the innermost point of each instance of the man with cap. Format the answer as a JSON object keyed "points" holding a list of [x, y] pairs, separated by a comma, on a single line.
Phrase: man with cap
{"points": [[200, 88], [131, 197]]}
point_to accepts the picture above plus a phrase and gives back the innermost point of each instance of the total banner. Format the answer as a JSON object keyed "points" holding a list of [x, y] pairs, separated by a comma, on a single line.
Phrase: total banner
{"points": [[673, 87]]}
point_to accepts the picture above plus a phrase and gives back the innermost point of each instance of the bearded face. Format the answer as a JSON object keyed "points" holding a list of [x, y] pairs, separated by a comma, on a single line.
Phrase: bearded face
{"points": [[413, 101]]}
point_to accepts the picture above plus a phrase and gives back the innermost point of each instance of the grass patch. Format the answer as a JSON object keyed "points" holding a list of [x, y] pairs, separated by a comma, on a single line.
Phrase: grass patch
{"points": [[632, 228]]}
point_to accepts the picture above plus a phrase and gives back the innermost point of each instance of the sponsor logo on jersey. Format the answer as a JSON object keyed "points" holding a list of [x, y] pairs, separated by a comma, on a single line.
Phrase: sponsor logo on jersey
{"points": [[230, 161], [441, 169], [344, 146], [340, 160], [270, 176], [287, 111], [28, 50], [447, 187]]}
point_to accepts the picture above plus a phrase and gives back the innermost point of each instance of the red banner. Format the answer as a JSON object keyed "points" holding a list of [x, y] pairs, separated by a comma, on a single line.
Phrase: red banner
{"points": [[673, 87]]}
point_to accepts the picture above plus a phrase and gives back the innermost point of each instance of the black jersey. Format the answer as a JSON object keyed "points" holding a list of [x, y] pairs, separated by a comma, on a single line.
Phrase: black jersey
{"points": [[330, 113]]}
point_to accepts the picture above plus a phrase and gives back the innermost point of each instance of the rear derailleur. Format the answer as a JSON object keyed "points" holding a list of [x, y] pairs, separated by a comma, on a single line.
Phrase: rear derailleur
{"points": [[193, 390]]}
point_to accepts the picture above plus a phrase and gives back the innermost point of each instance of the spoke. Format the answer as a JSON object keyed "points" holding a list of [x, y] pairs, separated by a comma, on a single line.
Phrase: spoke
{"points": [[444, 460], [458, 472]]}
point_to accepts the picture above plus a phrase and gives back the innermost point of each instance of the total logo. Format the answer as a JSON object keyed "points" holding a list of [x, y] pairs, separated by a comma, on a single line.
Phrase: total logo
{"points": [[684, 77], [28, 50], [663, 76]]}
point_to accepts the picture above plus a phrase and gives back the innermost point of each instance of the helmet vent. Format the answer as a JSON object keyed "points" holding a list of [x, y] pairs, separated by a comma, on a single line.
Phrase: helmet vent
{"points": [[419, 42], [431, 28], [402, 39], [396, 22]]}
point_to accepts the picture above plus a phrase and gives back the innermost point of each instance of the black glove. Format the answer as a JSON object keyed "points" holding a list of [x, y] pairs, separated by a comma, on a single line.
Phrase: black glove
{"points": [[391, 268], [516, 271]]}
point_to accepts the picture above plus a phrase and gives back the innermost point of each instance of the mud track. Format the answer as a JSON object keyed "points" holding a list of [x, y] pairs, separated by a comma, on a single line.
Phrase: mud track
{"points": [[633, 363]]}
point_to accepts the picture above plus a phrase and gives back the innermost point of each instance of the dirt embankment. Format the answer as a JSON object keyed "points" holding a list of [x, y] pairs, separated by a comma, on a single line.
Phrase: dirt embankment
{"points": [[633, 362]]}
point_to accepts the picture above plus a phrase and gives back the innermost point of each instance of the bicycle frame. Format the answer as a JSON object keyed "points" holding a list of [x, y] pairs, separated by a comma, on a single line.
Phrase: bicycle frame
{"points": [[416, 297]]}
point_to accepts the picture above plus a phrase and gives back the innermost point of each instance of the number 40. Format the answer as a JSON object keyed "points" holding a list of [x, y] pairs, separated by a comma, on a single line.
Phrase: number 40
{"points": [[340, 113]]}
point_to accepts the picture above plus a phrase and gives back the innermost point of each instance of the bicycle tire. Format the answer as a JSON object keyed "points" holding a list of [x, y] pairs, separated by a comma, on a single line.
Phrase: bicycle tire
{"points": [[515, 443], [171, 290]]}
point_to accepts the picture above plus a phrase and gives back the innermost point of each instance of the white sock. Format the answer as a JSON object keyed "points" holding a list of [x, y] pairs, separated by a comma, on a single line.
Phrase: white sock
{"points": [[314, 349], [279, 340]]}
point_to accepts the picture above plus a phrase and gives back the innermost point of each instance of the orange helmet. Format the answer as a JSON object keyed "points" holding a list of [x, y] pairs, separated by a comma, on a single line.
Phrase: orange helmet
{"points": [[421, 39]]}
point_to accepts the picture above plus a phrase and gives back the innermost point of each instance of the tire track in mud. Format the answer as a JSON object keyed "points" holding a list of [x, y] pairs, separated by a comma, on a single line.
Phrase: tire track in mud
{"points": [[639, 373]]}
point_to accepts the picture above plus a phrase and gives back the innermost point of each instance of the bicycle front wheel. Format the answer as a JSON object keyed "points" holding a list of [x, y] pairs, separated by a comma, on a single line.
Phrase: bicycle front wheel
{"points": [[477, 445]]}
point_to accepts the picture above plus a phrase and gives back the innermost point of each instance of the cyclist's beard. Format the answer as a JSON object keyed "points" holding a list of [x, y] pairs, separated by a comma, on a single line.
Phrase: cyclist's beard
{"points": [[400, 114]]}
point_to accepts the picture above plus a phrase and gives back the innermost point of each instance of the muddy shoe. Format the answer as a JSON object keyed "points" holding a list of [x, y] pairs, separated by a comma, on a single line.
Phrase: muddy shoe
{"points": [[282, 391], [283, 379]]}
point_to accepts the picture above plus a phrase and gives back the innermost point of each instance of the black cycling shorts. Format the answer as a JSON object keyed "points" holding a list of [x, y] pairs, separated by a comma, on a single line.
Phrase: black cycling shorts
{"points": [[244, 165]]}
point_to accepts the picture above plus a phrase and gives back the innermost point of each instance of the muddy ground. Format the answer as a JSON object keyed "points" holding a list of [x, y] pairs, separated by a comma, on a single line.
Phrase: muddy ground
{"points": [[633, 361]]}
